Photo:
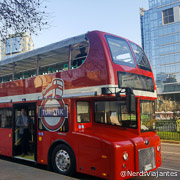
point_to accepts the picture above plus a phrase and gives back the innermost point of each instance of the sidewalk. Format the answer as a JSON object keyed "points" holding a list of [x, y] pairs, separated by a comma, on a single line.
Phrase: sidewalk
{"points": [[170, 141], [14, 171]]}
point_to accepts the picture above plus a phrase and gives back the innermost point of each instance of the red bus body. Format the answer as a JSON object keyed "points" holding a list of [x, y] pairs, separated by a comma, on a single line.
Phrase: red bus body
{"points": [[98, 148]]}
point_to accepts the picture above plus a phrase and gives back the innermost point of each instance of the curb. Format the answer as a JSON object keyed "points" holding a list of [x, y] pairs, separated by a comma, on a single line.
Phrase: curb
{"points": [[169, 141]]}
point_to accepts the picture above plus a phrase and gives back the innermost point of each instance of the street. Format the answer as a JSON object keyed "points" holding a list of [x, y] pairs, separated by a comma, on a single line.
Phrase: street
{"points": [[170, 168]]}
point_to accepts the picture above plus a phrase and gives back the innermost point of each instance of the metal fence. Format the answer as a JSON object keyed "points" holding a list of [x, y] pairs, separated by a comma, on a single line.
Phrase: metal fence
{"points": [[168, 129]]}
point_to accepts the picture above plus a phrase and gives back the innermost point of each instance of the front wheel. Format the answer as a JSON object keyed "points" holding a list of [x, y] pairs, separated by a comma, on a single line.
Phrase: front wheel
{"points": [[63, 160]]}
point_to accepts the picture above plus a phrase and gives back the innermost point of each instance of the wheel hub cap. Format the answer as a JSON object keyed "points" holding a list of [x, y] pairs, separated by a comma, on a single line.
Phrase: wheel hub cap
{"points": [[62, 160]]}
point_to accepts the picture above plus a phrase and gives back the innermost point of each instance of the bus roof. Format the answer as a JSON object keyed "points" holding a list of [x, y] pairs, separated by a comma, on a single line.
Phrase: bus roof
{"points": [[47, 55]]}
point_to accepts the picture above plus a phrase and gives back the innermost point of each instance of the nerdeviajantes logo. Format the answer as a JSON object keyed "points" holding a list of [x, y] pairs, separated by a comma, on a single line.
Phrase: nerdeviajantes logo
{"points": [[53, 110]]}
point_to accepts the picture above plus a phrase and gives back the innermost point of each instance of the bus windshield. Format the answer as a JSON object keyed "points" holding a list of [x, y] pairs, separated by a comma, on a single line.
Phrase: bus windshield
{"points": [[114, 113], [147, 115], [141, 58], [120, 51]]}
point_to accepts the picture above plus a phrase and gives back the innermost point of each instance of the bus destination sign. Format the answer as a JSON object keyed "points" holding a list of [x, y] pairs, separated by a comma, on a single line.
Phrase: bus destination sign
{"points": [[53, 112]]}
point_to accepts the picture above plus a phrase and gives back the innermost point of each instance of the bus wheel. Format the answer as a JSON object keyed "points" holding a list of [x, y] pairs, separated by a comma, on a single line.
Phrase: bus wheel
{"points": [[63, 160]]}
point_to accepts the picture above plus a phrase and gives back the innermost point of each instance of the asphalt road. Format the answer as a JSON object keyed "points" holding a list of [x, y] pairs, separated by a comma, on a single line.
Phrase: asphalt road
{"points": [[171, 156], [169, 170]]}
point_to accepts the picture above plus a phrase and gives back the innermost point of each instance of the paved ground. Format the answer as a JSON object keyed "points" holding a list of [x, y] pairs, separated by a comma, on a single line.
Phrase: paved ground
{"points": [[169, 170], [13, 171]]}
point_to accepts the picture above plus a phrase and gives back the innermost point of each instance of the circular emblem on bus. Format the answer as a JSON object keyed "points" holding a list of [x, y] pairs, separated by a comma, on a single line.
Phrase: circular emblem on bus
{"points": [[53, 110]]}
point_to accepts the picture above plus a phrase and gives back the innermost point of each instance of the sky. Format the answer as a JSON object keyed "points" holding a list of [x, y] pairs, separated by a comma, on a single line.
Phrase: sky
{"points": [[68, 18]]}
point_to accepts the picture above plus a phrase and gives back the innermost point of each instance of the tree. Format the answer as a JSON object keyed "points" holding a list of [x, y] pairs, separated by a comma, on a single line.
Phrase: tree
{"points": [[166, 104], [18, 16]]}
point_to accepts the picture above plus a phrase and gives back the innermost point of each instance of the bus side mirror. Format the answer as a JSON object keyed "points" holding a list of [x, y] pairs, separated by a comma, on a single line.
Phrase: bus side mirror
{"points": [[130, 101]]}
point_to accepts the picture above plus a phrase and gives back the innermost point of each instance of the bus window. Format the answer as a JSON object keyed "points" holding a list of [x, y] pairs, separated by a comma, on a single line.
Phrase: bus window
{"points": [[120, 51], [114, 113], [83, 112], [141, 58], [6, 78], [59, 63], [5, 118], [63, 66], [147, 115], [79, 53], [25, 74]]}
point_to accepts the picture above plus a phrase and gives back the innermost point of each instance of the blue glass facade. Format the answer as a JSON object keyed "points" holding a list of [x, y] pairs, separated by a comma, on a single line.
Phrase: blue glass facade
{"points": [[160, 32]]}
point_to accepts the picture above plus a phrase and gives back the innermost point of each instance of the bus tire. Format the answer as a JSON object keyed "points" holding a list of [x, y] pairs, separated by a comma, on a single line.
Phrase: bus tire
{"points": [[63, 160]]}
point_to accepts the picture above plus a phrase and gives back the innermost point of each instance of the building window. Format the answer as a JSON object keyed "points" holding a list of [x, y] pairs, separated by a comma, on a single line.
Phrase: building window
{"points": [[168, 16]]}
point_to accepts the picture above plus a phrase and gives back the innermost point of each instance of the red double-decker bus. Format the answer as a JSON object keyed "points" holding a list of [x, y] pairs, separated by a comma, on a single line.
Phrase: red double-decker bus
{"points": [[90, 103]]}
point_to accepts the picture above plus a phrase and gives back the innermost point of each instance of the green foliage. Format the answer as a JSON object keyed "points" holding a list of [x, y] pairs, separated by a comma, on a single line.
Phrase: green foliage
{"points": [[169, 135]]}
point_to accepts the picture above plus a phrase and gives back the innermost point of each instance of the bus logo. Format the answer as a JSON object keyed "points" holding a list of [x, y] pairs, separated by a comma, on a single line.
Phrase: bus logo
{"points": [[53, 110]]}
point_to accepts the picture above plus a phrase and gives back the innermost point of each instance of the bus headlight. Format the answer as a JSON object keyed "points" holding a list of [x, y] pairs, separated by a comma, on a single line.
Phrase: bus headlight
{"points": [[125, 156], [158, 148]]}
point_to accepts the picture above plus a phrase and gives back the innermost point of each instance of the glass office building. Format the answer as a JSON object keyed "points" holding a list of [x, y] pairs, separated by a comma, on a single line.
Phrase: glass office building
{"points": [[160, 32]]}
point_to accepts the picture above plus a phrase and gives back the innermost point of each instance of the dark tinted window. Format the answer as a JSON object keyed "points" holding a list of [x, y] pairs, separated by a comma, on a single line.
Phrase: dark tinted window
{"points": [[168, 16]]}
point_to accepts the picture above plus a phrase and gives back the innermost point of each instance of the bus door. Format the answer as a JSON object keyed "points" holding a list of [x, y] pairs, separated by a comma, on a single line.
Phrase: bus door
{"points": [[6, 131], [25, 128]]}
